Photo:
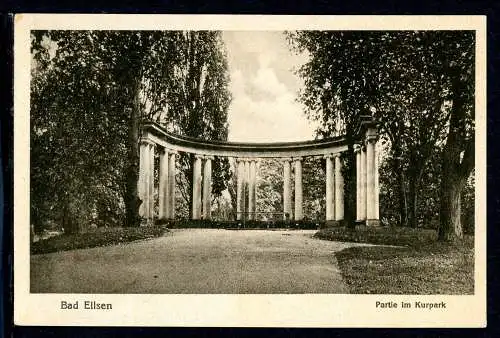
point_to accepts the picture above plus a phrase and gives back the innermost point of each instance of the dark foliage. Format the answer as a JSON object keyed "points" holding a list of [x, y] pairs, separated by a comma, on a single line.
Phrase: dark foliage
{"points": [[108, 236]]}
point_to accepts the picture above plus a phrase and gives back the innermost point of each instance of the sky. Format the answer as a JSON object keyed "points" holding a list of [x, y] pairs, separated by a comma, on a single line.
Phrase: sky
{"points": [[264, 89]]}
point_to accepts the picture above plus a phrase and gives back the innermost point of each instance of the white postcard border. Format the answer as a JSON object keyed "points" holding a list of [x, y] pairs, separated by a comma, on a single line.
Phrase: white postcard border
{"points": [[308, 310]]}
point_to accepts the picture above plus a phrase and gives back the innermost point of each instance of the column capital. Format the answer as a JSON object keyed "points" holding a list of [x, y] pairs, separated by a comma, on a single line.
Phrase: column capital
{"points": [[285, 159], [328, 156], [299, 158], [146, 141], [337, 155], [371, 139], [357, 148], [168, 151], [198, 156], [209, 157]]}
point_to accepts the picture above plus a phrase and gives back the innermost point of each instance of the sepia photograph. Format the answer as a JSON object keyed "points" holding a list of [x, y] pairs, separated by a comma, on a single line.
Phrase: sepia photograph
{"points": [[238, 161]]}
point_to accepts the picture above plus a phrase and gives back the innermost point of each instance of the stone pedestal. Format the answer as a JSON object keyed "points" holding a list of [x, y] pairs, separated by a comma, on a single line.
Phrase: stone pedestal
{"points": [[372, 222], [334, 223]]}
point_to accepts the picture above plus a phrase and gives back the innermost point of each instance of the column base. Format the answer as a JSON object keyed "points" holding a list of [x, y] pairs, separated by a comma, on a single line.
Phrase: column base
{"points": [[359, 222], [372, 222], [334, 223]]}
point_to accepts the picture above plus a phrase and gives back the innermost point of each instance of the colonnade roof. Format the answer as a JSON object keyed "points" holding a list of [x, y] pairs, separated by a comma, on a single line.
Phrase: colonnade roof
{"points": [[159, 135]]}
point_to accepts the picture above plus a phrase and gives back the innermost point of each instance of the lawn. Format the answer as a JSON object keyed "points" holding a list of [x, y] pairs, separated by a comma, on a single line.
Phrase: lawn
{"points": [[414, 263], [95, 238]]}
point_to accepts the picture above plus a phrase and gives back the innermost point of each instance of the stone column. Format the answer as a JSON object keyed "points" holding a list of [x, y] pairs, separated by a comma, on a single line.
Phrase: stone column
{"points": [[370, 180], [298, 215], [163, 187], [363, 184], [171, 186], [245, 188], [330, 213], [357, 151], [207, 187], [239, 188], [142, 183], [287, 200], [151, 182], [377, 187], [339, 190], [251, 191], [196, 206]]}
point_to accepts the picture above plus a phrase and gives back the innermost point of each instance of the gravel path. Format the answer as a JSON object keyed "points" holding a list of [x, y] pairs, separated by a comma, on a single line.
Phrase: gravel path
{"points": [[197, 261]]}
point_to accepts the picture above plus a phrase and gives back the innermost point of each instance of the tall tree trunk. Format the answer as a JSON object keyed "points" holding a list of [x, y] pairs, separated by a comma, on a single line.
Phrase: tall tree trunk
{"points": [[69, 221], [397, 167], [132, 201], [401, 189], [450, 227], [412, 197], [403, 203], [455, 169]]}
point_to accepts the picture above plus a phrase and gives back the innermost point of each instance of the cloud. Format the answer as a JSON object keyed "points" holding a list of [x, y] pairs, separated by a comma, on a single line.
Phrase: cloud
{"points": [[264, 88], [266, 80]]}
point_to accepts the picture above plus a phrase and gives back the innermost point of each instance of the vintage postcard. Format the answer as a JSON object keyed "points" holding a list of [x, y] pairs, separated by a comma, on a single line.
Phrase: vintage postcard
{"points": [[260, 171]]}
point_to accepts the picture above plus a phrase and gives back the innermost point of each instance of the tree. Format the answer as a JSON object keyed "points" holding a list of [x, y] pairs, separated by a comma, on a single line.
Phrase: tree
{"points": [[314, 188], [73, 137], [335, 94], [269, 188], [406, 80], [88, 100], [198, 102], [456, 60]]}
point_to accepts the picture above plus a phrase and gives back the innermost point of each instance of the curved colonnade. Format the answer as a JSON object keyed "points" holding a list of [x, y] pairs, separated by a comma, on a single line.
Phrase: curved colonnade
{"points": [[247, 155]]}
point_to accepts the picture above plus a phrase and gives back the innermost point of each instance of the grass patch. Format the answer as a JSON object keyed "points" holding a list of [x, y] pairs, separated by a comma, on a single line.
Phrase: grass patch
{"points": [[379, 235], [419, 265], [96, 238]]}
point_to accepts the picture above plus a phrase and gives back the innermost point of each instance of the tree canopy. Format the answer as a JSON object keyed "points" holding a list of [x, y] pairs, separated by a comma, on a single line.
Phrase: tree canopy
{"points": [[89, 92], [419, 85]]}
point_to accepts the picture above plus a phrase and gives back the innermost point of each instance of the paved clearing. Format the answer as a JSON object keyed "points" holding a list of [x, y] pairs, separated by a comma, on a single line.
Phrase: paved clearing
{"points": [[197, 261]]}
